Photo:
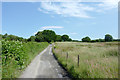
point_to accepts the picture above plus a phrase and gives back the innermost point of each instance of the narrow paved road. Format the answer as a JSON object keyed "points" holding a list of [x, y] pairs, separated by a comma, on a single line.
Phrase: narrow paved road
{"points": [[44, 66]]}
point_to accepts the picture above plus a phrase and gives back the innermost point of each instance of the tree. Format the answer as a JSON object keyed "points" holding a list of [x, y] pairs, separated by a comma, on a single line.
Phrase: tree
{"points": [[108, 38], [93, 40], [69, 39], [101, 40], [10, 37], [39, 37], [5, 35], [32, 38], [58, 38], [65, 37], [49, 35], [86, 39], [46, 35]]}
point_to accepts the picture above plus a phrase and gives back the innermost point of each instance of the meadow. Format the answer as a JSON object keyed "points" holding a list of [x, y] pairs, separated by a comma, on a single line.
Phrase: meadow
{"points": [[17, 55], [96, 60]]}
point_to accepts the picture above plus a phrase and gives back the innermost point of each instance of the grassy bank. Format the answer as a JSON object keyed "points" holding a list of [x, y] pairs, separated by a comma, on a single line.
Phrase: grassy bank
{"points": [[17, 55], [96, 60]]}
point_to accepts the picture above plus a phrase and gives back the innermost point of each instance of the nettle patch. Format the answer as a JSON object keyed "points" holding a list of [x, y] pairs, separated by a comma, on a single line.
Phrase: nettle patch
{"points": [[13, 51]]}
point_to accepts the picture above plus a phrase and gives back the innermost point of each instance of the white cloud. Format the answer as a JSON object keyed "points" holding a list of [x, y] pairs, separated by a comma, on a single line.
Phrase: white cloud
{"points": [[77, 9], [51, 27], [73, 33], [108, 4], [67, 9], [59, 0]]}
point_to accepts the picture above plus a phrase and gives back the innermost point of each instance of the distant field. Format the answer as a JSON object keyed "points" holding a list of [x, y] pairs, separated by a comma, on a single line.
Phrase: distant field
{"points": [[96, 60]]}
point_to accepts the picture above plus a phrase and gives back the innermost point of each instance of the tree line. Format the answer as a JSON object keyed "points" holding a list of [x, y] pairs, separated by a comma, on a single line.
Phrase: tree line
{"points": [[40, 36], [108, 38], [51, 36]]}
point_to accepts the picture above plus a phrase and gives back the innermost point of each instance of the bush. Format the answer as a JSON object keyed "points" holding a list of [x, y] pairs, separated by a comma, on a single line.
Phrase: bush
{"points": [[13, 57], [13, 50], [86, 39], [17, 55], [108, 38]]}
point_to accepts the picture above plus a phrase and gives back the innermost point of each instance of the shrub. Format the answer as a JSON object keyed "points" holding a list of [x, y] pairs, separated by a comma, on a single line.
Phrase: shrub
{"points": [[86, 39], [17, 55], [108, 38]]}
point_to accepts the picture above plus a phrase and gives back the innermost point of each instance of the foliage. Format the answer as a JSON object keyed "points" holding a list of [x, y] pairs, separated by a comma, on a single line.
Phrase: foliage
{"points": [[7, 37], [46, 35], [58, 38], [86, 39], [17, 55], [49, 35], [65, 37], [32, 38], [98, 40], [14, 50], [69, 39], [108, 38], [116, 39], [39, 37]]}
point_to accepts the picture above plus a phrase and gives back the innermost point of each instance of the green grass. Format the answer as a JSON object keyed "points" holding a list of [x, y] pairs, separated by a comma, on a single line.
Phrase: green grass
{"points": [[97, 60], [16, 56], [0, 60]]}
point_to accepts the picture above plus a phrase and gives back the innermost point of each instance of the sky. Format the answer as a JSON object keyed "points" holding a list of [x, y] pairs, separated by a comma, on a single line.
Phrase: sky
{"points": [[76, 19]]}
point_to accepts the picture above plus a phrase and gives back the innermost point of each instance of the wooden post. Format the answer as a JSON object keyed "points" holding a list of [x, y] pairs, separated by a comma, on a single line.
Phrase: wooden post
{"points": [[78, 60], [66, 57]]}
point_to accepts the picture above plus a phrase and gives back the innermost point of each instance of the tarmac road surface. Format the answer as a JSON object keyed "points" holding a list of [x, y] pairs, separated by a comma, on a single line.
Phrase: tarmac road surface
{"points": [[44, 65]]}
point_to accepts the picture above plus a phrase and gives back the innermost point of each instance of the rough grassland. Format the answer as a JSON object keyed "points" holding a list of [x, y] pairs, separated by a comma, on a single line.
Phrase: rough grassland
{"points": [[96, 60]]}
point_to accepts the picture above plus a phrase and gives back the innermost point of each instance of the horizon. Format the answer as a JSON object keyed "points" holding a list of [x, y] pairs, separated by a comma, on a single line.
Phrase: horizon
{"points": [[78, 20]]}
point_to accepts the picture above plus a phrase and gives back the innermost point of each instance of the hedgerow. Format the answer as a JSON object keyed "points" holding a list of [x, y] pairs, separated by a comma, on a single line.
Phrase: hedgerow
{"points": [[17, 55]]}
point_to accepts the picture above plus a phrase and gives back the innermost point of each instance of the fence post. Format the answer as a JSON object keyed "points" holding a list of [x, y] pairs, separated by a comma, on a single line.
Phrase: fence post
{"points": [[66, 58], [78, 60], [67, 54]]}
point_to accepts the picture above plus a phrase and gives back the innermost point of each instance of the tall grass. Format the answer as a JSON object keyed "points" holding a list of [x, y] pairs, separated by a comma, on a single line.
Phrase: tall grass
{"points": [[17, 55], [0, 60], [97, 60]]}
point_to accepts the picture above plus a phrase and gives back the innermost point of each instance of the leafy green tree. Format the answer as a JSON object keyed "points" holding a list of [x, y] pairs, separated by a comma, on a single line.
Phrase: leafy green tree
{"points": [[93, 40], [20, 39], [32, 38], [65, 37], [69, 39], [58, 38], [49, 35], [46, 35], [39, 37], [5, 35], [98, 40], [11, 37], [108, 38], [101, 40], [86, 39]]}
